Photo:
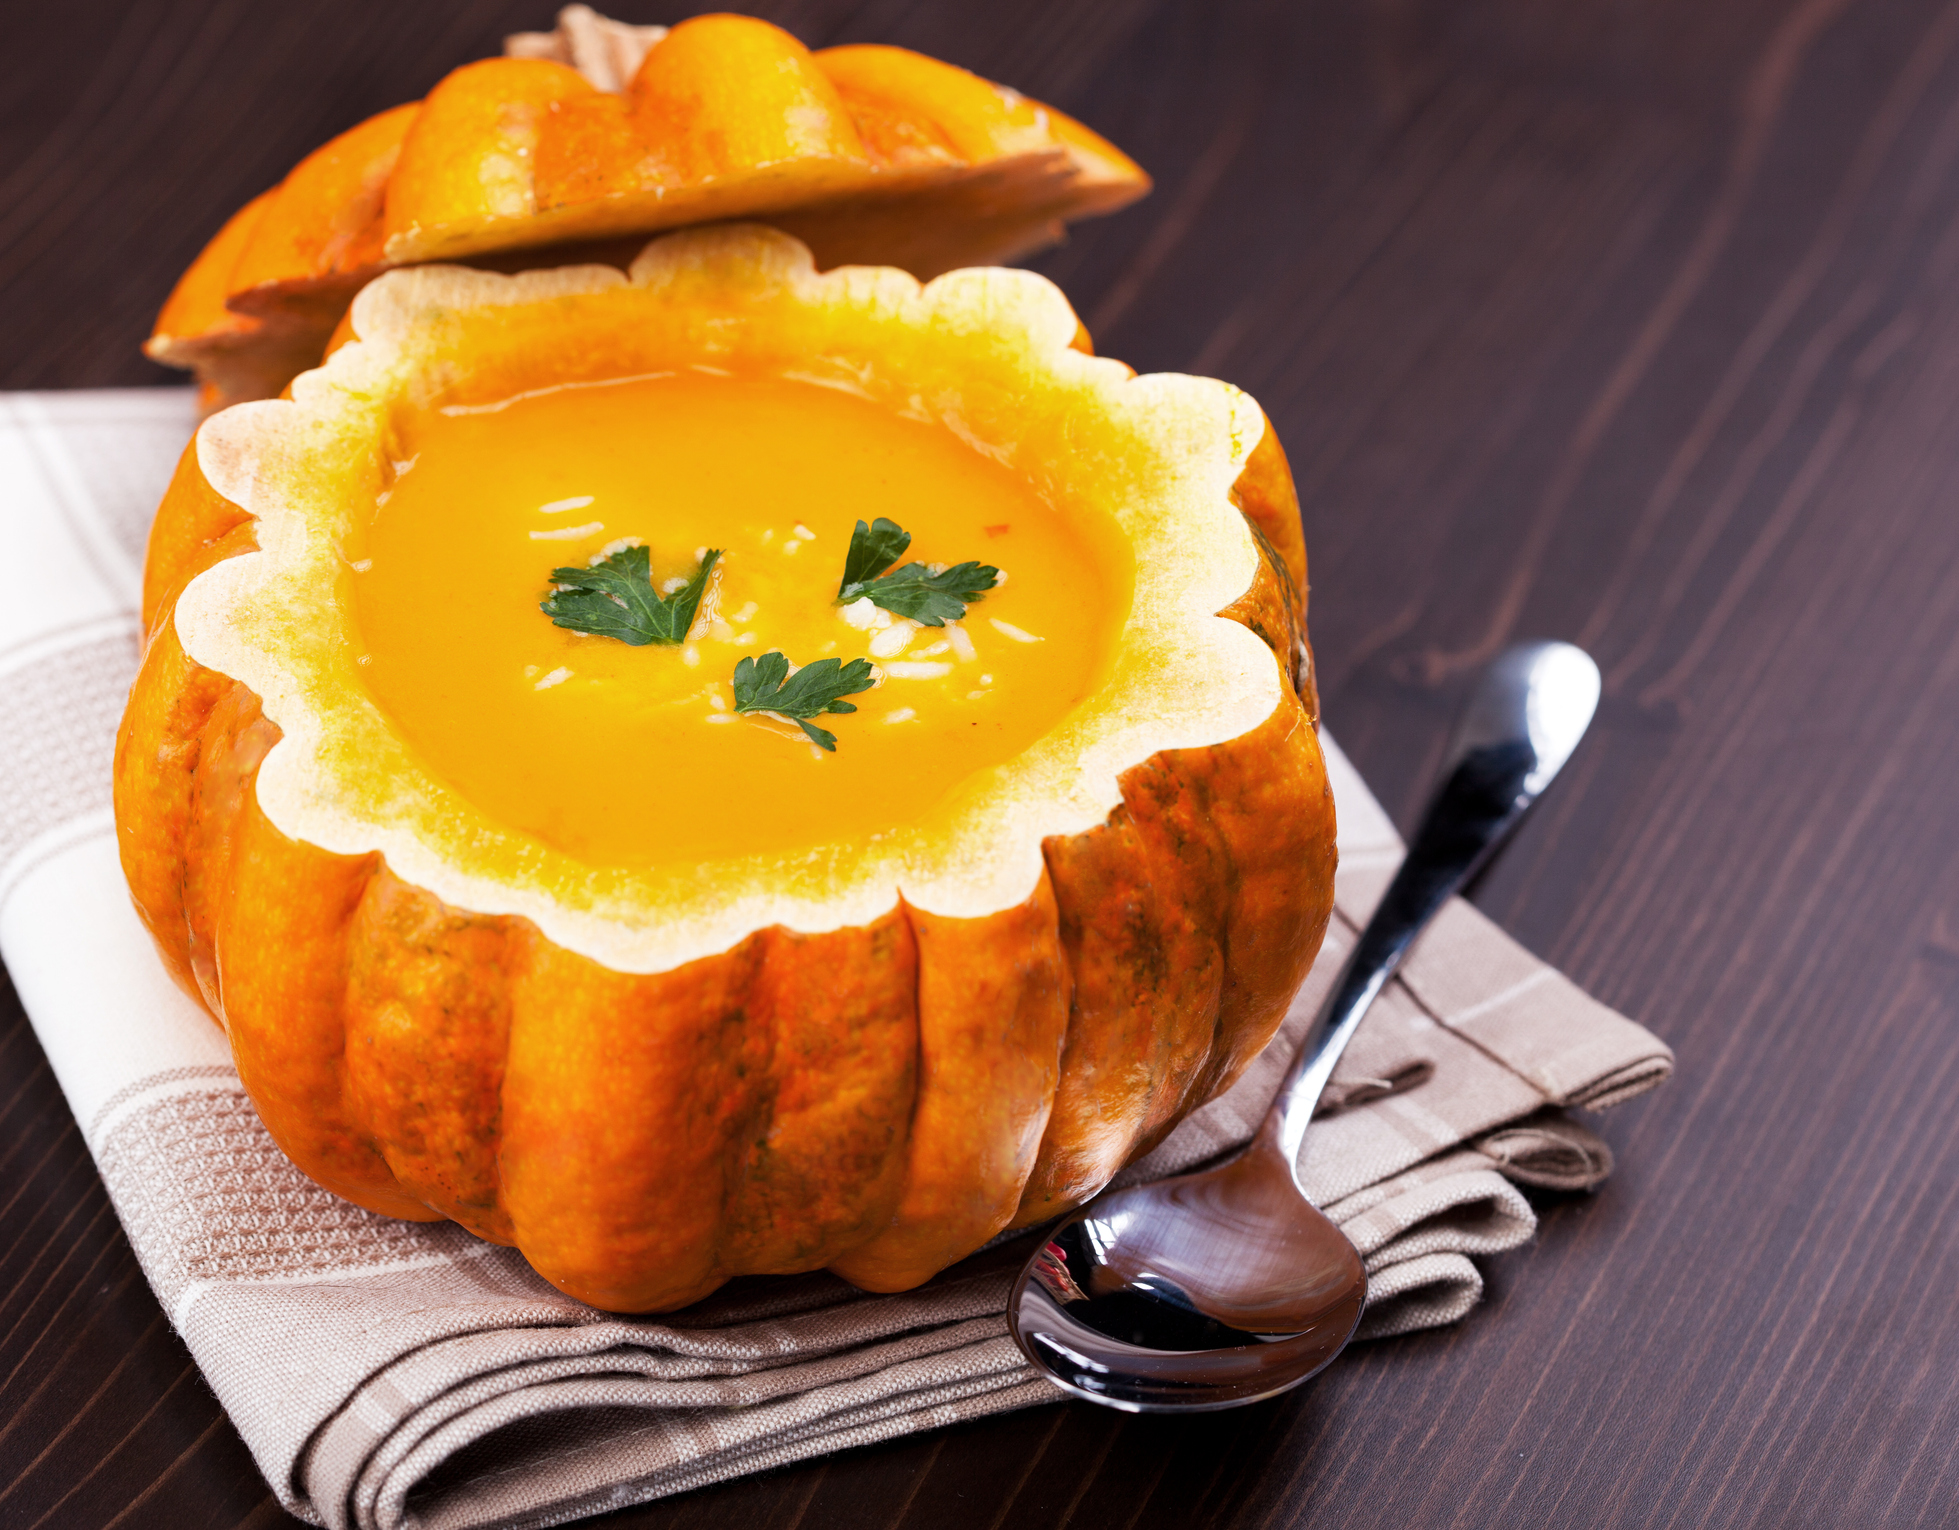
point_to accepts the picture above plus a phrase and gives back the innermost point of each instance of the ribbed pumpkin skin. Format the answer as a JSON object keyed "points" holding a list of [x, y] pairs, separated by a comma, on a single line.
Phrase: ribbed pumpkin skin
{"points": [[879, 1100]]}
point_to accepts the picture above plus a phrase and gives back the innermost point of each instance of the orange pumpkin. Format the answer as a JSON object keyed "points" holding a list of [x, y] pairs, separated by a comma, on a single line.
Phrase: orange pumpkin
{"points": [[601, 133], [872, 1056]]}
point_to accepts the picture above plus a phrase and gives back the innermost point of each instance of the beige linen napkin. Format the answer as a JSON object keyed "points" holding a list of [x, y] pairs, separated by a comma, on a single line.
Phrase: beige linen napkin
{"points": [[395, 1374]]}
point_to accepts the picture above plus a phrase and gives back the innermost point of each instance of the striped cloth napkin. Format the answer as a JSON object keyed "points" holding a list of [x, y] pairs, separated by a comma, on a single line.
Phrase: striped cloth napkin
{"points": [[399, 1374]]}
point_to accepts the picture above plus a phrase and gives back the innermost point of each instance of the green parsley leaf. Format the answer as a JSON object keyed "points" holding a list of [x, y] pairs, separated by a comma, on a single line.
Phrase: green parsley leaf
{"points": [[932, 599], [873, 549], [765, 685], [914, 590], [615, 598]]}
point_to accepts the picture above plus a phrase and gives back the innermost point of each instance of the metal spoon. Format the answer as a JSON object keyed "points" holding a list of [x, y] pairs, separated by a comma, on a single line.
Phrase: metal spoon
{"points": [[1224, 1287]]}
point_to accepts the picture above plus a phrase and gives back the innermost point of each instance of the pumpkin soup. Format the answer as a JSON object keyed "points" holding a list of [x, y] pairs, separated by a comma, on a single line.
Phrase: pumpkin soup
{"points": [[636, 750]]}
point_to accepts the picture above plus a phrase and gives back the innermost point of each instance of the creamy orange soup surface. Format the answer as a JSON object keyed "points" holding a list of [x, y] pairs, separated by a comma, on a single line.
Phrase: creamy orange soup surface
{"points": [[635, 755]]}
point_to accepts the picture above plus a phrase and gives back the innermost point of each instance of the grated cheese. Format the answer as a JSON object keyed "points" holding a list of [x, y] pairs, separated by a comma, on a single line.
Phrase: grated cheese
{"points": [[891, 642]]}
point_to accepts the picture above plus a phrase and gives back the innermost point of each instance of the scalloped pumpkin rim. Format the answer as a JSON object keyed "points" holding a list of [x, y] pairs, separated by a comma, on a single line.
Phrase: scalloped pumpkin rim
{"points": [[988, 351]]}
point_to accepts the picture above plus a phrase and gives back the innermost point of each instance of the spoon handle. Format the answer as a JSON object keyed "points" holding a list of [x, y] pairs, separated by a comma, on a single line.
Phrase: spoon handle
{"points": [[1526, 716]]}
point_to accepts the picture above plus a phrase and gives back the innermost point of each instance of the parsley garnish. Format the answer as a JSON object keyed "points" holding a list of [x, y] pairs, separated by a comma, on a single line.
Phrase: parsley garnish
{"points": [[615, 598], [873, 549], [928, 598], [765, 685], [914, 590]]}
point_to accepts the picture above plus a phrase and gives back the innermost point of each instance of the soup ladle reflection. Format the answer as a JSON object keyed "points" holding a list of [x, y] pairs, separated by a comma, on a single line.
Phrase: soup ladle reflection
{"points": [[1220, 1288]]}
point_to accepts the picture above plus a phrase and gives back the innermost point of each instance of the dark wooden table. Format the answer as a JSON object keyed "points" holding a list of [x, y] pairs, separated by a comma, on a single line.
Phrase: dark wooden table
{"points": [[1635, 324]]}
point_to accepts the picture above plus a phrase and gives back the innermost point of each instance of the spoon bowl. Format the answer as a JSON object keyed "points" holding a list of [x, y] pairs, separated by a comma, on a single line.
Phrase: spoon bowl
{"points": [[1222, 1287], [1207, 1291]]}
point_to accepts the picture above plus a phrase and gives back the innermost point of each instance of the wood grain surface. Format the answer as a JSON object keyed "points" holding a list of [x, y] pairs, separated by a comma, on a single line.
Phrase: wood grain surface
{"points": [[1630, 323]]}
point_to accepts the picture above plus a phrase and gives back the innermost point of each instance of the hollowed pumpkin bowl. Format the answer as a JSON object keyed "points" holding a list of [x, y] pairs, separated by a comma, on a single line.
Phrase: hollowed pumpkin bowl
{"points": [[867, 1052]]}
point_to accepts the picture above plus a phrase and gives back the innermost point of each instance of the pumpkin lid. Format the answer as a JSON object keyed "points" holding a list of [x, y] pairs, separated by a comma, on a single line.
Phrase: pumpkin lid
{"points": [[986, 354], [600, 132]]}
